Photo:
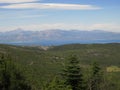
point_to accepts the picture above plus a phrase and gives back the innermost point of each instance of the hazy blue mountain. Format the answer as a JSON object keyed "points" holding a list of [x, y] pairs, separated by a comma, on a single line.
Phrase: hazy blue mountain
{"points": [[57, 37]]}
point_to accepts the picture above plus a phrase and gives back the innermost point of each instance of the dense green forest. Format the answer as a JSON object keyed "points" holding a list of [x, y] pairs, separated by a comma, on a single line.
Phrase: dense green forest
{"points": [[94, 66]]}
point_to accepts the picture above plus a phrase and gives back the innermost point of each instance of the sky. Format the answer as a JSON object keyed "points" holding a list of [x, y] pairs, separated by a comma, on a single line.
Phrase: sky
{"points": [[36, 15]]}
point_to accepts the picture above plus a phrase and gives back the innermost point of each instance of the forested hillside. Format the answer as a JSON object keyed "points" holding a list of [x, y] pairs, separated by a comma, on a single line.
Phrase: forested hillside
{"points": [[40, 65]]}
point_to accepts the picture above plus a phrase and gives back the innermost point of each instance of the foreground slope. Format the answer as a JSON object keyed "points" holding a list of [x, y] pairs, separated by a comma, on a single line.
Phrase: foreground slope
{"points": [[40, 65]]}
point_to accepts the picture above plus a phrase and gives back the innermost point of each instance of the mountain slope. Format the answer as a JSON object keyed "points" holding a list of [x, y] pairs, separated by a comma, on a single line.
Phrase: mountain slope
{"points": [[57, 37], [40, 66]]}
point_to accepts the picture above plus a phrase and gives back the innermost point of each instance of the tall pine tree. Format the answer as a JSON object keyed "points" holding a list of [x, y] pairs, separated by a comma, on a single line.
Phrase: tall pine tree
{"points": [[72, 74], [96, 77]]}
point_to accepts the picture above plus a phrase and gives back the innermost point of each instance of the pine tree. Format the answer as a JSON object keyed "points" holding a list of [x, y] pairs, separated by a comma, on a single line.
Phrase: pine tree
{"points": [[56, 84], [10, 77], [96, 77], [72, 74]]}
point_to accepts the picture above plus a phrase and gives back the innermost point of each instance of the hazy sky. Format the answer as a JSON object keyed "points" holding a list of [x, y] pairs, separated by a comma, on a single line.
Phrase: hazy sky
{"points": [[60, 14]]}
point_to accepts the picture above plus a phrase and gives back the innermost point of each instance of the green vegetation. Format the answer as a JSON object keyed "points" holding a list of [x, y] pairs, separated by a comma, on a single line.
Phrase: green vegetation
{"points": [[42, 68], [73, 75], [10, 77], [95, 79]]}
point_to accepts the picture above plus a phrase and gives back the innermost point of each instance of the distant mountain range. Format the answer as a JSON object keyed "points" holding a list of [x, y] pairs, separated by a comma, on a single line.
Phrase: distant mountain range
{"points": [[57, 37]]}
